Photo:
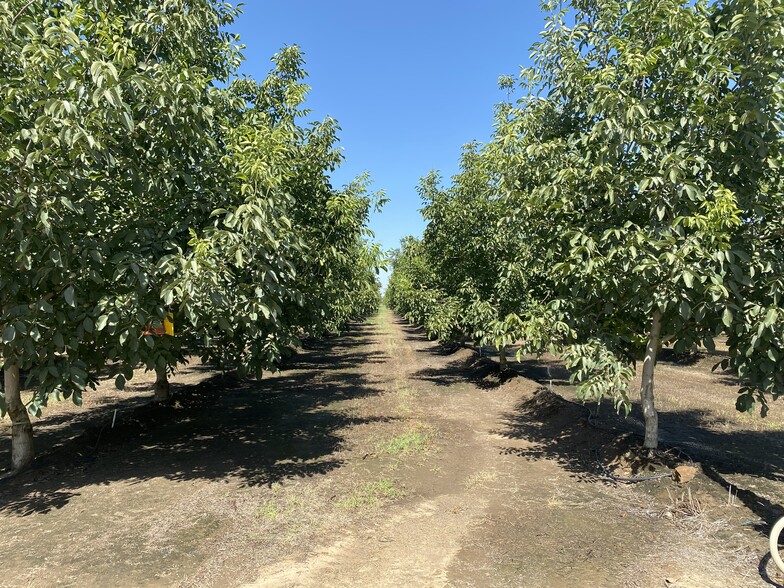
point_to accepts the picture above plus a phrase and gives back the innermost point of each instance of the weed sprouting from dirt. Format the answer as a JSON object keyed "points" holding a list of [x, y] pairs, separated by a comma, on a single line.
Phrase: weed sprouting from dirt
{"points": [[270, 510], [289, 509], [417, 440], [371, 494], [686, 505], [689, 512]]}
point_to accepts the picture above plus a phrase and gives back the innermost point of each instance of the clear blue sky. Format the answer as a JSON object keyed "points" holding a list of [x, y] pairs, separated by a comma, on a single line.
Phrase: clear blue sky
{"points": [[408, 82]]}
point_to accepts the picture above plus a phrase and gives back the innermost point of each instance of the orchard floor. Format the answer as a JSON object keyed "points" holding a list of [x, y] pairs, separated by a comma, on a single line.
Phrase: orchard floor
{"points": [[379, 459]]}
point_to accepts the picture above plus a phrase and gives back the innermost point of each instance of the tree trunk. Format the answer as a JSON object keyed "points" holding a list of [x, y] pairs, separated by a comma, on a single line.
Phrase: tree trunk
{"points": [[646, 389], [502, 358], [161, 384], [21, 428]]}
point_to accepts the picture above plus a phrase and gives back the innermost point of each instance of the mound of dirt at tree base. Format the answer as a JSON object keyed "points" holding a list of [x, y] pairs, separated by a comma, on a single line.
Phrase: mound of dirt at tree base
{"points": [[486, 373], [465, 356], [562, 431], [544, 404]]}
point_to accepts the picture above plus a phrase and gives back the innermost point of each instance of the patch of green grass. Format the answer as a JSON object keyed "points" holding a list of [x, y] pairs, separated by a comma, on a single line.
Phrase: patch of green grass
{"points": [[371, 494], [415, 441], [376, 319], [269, 511]]}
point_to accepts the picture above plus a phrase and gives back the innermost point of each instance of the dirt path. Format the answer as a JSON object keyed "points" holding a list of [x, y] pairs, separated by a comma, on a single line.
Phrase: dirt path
{"points": [[374, 460]]}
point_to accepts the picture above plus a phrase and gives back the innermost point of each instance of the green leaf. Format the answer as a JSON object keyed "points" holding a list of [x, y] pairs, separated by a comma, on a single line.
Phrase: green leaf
{"points": [[9, 334], [745, 403], [168, 296], [100, 324], [685, 310], [127, 121], [69, 296], [726, 317]]}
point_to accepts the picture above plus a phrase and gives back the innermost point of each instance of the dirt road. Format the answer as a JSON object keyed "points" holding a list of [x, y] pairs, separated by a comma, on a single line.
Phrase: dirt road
{"points": [[374, 459]]}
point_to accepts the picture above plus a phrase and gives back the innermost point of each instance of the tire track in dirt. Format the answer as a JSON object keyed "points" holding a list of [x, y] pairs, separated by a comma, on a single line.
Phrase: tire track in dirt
{"points": [[411, 548], [414, 543]]}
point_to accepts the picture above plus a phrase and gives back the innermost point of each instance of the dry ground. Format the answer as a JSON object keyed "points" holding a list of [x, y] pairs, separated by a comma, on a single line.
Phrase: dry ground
{"points": [[379, 459]]}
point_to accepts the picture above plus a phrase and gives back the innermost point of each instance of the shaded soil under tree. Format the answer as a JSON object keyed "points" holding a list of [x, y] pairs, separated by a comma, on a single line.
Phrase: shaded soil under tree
{"points": [[379, 458]]}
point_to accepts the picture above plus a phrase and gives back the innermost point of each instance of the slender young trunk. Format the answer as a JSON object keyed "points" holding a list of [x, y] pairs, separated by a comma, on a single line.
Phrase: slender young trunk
{"points": [[502, 358], [646, 389], [161, 384], [21, 428]]}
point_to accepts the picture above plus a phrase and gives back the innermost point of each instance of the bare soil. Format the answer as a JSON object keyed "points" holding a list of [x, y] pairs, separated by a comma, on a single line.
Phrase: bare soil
{"points": [[379, 458]]}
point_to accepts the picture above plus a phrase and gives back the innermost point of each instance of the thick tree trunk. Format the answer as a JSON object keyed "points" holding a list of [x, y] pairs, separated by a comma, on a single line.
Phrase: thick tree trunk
{"points": [[646, 389], [21, 428], [161, 384], [502, 358]]}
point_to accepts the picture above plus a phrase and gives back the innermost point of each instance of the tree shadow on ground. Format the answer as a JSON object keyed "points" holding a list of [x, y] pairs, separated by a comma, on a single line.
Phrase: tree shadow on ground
{"points": [[572, 435], [416, 333], [345, 361], [256, 432], [467, 367], [550, 373], [61, 427], [557, 430], [698, 432], [409, 328], [451, 374]]}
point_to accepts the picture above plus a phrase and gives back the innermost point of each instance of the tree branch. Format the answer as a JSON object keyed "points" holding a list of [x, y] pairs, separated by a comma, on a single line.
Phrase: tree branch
{"points": [[18, 14]]}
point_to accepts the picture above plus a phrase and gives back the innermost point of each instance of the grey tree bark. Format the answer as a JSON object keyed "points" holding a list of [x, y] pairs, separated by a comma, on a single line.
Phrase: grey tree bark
{"points": [[161, 384], [22, 452], [646, 389]]}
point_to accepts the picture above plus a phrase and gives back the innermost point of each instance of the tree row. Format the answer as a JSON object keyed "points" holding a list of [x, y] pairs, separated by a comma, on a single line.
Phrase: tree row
{"points": [[144, 184], [631, 197]]}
